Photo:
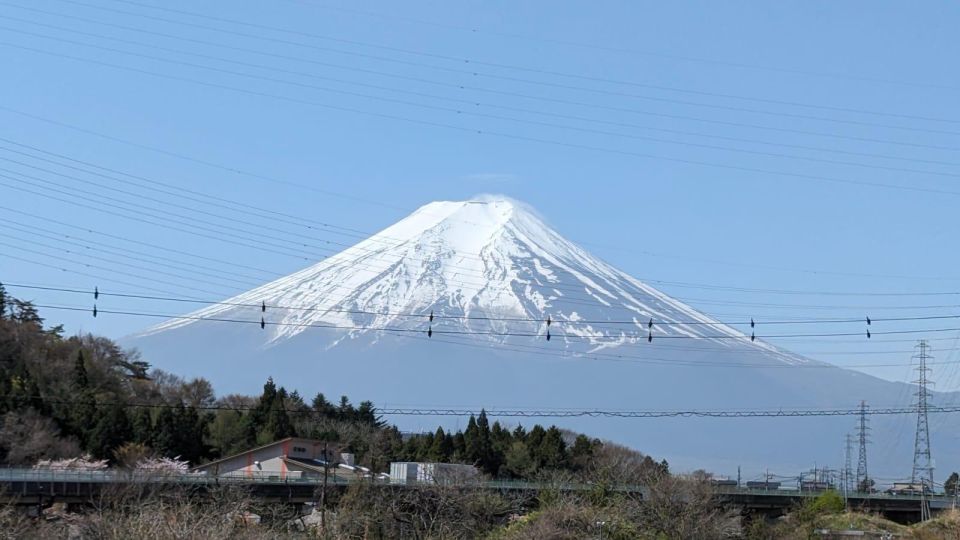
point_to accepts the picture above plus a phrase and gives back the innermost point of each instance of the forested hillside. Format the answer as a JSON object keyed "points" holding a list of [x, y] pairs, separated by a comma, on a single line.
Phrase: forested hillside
{"points": [[64, 396]]}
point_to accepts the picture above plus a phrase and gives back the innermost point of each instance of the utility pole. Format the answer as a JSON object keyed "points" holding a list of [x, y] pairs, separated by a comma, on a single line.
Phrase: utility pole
{"points": [[863, 478], [922, 461]]}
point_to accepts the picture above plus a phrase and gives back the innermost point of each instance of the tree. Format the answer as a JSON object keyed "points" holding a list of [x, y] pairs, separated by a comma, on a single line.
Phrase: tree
{"points": [[952, 485], [277, 423], [3, 301], [442, 448], [165, 435], [553, 451], [142, 424], [110, 432], [80, 378]]}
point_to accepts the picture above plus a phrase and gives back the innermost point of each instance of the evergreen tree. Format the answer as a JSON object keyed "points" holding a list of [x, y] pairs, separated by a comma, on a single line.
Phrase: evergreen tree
{"points": [[3, 301], [952, 485], [82, 416], [165, 433], [459, 447], [552, 453], [442, 447], [345, 411], [192, 431], [110, 432], [142, 424], [367, 414], [277, 424], [80, 379], [471, 441], [322, 407]]}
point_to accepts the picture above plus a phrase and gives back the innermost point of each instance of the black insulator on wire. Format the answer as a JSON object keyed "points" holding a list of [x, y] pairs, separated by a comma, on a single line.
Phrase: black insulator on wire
{"points": [[94, 310], [868, 321], [649, 337], [548, 335], [96, 293], [263, 306], [650, 324], [753, 337], [548, 320], [263, 323], [752, 324], [868, 333], [430, 331], [431, 315]]}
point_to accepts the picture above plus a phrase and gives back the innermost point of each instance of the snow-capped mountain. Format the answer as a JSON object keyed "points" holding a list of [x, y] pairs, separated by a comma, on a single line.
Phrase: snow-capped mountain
{"points": [[497, 280], [488, 268]]}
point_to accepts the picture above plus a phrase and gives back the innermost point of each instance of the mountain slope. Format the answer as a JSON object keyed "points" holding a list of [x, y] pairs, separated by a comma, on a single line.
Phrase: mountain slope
{"points": [[492, 273]]}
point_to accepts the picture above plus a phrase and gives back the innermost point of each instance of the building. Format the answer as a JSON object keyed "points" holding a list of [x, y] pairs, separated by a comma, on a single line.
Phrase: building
{"points": [[907, 488], [409, 472], [292, 458]]}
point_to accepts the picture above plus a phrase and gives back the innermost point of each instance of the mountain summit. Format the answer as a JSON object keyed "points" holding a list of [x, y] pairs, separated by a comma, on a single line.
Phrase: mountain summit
{"points": [[486, 268], [453, 305]]}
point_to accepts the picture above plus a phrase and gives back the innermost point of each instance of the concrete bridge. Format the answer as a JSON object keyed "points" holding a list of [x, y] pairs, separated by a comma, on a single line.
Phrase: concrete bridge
{"points": [[44, 487]]}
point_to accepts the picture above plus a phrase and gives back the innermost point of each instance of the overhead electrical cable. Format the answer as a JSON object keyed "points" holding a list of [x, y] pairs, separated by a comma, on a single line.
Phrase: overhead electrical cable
{"points": [[659, 54], [440, 316], [472, 102], [194, 159], [565, 335], [475, 113], [552, 413], [218, 200], [546, 141], [456, 60]]}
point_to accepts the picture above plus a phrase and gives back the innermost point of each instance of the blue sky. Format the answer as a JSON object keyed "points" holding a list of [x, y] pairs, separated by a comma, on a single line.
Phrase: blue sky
{"points": [[644, 131]]}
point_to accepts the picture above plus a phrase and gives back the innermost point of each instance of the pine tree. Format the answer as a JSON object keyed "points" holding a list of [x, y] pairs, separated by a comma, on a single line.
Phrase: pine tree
{"points": [[345, 411], [553, 451], [322, 407], [277, 424], [83, 415], [952, 485], [471, 440], [142, 424], [165, 433], [442, 447], [80, 379], [110, 432]]}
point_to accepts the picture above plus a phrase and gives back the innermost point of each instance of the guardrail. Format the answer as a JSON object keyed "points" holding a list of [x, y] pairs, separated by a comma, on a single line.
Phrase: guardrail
{"points": [[113, 476]]}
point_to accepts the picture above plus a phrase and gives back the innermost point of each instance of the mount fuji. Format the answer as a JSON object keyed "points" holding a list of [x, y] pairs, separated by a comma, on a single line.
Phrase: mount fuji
{"points": [[480, 303]]}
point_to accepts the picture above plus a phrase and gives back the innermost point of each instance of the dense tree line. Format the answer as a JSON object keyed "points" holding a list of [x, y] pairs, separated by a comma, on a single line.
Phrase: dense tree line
{"points": [[64, 396]]}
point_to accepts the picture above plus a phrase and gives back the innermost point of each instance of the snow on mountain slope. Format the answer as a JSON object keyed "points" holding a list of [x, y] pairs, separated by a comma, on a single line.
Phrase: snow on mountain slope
{"points": [[481, 266], [492, 273]]}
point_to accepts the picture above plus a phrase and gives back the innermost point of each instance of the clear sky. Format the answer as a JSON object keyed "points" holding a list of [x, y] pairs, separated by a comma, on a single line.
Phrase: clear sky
{"points": [[802, 146]]}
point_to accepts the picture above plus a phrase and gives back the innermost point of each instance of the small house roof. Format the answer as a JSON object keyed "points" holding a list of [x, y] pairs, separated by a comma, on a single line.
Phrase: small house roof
{"points": [[205, 466]]}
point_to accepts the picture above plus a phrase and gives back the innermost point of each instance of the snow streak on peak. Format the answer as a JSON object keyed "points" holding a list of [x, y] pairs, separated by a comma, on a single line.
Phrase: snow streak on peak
{"points": [[479, 265]]}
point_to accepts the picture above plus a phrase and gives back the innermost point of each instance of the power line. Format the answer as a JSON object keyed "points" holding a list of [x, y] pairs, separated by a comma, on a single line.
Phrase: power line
{"points": [[477, 30], [464, 61], [475, 113], [577, 336], [540, 140], [231, 169], [440, 316], [470, 102], [215, 201], [548, 413]]}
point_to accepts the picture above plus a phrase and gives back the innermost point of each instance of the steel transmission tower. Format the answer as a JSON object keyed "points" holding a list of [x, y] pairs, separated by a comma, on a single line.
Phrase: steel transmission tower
{"points": [[863, 480], [922, 461], [847, 466]]}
